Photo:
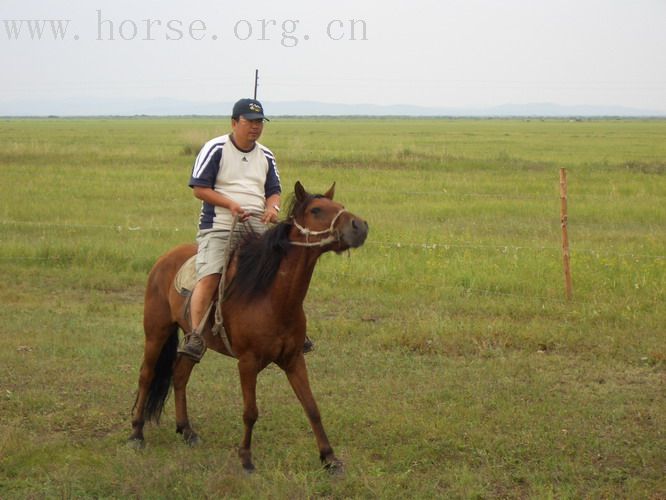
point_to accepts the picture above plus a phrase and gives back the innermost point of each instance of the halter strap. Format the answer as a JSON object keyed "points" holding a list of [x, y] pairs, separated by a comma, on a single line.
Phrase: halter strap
{"points": [[333, 234]]}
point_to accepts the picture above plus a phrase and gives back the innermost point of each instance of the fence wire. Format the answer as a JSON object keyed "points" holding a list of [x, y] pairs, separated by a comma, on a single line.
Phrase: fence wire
{"points": [[384, 244]]}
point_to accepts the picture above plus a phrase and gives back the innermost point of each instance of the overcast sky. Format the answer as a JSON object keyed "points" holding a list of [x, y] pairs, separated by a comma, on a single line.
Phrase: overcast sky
{"points": [[455, 53]]}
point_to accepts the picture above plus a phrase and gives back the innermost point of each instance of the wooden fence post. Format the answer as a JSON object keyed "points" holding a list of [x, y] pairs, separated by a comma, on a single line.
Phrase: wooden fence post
{"points": [[565, 236]]}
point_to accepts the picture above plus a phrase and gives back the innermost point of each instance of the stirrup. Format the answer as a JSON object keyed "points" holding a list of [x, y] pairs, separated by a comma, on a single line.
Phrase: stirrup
{"points": [[193, 346]]}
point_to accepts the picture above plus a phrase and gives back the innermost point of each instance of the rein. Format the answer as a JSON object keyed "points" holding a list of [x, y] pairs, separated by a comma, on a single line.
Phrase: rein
{"points": [[218, 327], [332, 238]]}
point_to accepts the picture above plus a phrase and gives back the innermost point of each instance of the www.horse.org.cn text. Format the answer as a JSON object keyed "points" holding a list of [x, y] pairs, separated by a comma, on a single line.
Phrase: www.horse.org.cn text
{"points": [[288, 33]]}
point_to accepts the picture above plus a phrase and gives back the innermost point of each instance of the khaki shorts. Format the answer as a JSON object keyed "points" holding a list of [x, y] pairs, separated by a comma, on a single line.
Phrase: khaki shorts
{"points": [[212, 245], [210, 253]]}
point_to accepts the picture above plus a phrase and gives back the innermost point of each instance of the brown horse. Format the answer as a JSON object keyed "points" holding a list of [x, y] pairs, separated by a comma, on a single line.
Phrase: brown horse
{"points": [[268, 278]]}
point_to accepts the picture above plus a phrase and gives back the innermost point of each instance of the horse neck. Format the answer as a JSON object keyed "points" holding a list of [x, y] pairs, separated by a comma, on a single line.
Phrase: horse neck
{"points": [[293, 279]]}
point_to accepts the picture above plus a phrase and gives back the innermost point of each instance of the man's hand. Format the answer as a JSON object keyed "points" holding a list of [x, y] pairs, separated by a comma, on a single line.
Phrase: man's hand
{"points": [[270, 215], [238, 211]]}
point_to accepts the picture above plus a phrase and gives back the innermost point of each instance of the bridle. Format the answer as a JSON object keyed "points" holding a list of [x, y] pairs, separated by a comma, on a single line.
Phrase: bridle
{"points": [[333, 234]]}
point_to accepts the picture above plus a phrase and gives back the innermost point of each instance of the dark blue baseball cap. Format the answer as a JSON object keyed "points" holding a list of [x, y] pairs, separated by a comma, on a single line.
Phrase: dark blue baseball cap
{"points": [[250, 109]]}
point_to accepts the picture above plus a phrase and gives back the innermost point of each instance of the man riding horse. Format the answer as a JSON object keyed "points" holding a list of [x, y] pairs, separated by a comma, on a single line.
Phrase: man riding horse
{"points": [[236, 178]]}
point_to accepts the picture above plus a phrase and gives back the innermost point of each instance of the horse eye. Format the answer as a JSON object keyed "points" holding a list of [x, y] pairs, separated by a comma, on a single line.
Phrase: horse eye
{"points": [[315, 210]]}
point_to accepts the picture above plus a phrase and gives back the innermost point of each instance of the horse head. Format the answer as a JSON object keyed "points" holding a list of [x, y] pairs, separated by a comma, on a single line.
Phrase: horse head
{"points": [[318, 221]]}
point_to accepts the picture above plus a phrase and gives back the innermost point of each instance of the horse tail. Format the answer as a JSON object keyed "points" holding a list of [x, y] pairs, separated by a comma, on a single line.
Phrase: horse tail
{"points": [[161, 383]]}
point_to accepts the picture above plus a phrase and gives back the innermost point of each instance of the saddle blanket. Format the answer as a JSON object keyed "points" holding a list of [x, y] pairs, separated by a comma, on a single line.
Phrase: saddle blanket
{"points": [[186, 277]]}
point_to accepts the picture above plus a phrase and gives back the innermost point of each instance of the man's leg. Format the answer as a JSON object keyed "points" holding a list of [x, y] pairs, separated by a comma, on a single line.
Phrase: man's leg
{"points": [[202, 296], [193, 344]]}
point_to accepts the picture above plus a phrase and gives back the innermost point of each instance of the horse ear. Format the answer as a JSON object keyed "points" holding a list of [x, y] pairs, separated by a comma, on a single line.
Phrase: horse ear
{"points": [[299, 191], [329, 194]]}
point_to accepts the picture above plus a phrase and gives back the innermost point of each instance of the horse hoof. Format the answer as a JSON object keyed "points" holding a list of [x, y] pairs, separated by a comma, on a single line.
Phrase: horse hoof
{"points": [[189, 436], [192, 440], [335, 467], [136, 443], [245, 456]]}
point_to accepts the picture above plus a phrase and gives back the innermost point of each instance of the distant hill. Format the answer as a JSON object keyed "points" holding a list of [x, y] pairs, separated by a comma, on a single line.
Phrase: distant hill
{"points": [[175, 107], [505, 110]]}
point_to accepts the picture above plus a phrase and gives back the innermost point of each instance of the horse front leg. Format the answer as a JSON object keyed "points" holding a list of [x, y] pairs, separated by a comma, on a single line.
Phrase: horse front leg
{"points": [[248, 370], [298, 378]]}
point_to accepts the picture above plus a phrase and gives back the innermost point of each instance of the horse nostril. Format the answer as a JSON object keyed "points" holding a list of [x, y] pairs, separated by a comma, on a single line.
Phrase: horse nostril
{"points": [[354, 225]]}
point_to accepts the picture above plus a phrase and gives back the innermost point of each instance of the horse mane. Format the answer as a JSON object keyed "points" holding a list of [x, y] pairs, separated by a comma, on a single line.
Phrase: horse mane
{"points": [[258, 256]]}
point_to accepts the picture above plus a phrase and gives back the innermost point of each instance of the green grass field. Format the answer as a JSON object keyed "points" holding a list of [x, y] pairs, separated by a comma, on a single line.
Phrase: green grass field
{"points": [[448, 362]]}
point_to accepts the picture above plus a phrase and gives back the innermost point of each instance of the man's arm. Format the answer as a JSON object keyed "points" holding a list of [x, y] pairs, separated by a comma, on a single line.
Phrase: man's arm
{"points": [[212, 197], [272, 188]]}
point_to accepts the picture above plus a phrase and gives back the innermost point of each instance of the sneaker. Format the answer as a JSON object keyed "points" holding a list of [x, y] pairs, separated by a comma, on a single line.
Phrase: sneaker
{"points": [[193, 346], [308, 345]]}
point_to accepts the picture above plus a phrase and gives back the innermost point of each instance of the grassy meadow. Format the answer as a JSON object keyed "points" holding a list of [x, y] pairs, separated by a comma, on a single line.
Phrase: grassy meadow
{"points": [[448, 363]]}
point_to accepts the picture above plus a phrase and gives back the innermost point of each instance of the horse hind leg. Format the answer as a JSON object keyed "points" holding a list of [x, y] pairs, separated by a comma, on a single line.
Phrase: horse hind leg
{"points": [[182, 371], [154, 378]]}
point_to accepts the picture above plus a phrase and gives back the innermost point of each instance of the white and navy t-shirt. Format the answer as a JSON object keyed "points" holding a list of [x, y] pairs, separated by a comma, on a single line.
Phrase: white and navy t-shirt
{"points": [[248, 178]]}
